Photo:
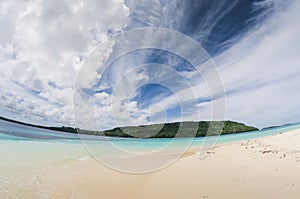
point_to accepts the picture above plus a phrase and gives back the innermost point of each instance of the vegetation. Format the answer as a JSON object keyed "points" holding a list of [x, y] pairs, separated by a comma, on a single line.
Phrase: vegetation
{"points": [[168, 130], [183, 129]]}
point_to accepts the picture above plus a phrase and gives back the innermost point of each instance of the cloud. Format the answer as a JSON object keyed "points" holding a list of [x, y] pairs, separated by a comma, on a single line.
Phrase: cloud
{"points": [[260, 72], [42, 47], [214, 24]]}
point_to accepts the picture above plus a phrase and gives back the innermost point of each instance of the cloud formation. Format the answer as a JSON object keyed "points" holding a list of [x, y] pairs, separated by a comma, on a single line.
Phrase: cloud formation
{"points": [[43, 45], [261, 72]]}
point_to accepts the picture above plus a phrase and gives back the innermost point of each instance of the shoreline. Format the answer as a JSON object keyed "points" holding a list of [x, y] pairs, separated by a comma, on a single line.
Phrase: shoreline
{"points": [[266, 167], [133, 132]]}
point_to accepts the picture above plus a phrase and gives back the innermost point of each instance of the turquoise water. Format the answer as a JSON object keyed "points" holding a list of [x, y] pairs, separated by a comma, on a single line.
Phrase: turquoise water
{"points": [[27, 144], [21, 133], [36, 152]]}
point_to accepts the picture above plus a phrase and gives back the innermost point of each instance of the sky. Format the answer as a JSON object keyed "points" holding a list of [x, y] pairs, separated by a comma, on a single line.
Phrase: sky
{"points": [[47, 47]]}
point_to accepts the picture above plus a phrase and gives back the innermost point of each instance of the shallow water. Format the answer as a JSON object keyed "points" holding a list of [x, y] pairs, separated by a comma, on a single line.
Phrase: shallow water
{"points": [[27, 154], [25, 145], [27, 139]]}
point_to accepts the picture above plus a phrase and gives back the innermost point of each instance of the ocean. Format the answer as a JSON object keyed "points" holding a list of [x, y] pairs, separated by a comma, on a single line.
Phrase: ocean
{"points": [[28, 154]]}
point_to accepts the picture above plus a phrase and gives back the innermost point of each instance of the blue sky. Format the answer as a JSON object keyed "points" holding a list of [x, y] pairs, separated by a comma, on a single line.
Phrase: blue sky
{"points": [[254, 44]]}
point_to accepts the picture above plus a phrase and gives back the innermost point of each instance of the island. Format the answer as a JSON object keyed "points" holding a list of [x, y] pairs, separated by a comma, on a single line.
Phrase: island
{"points": [[163, 130]]}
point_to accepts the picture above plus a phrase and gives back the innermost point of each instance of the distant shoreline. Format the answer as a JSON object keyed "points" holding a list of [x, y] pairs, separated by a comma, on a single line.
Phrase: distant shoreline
{"points": [[165, 130]]}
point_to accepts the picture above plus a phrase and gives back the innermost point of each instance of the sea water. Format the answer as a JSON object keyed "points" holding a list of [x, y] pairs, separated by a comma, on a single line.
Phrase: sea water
{"points": [[25, 144], [27, 154], [23, 138]]}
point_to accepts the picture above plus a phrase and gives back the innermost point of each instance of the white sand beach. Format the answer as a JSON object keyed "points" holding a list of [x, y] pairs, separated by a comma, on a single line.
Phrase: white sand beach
{"points": [[266, 167]]}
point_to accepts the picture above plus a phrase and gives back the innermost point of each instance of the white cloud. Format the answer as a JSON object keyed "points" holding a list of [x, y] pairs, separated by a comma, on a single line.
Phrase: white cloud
{"points": [[42, 46], [44, 43], [261, 71]]}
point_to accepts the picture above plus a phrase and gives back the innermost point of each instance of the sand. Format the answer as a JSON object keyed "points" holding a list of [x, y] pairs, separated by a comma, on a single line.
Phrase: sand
{"points": [[260, 168], [266, 167]]}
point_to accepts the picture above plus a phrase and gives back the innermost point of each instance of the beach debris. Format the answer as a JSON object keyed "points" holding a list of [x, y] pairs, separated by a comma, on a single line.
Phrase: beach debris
{"points": [[269, 151], [210, 152]]}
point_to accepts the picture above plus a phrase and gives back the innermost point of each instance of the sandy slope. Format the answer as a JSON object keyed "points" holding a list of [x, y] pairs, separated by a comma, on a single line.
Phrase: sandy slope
{"points": [[261, 168]]}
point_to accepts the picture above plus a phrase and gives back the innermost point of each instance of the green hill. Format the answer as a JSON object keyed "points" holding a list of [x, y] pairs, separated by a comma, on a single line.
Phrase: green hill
{"points": [[183, 129], [168, 130]]}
